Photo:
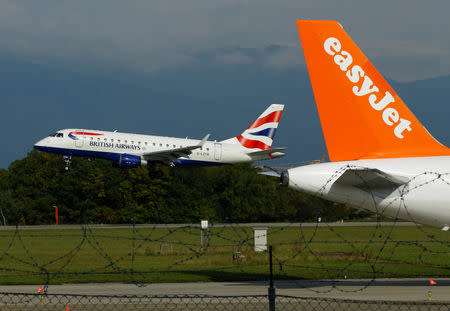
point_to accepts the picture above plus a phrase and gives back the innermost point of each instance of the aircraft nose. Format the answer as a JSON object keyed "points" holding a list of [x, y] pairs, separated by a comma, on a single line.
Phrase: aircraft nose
{"points": [[40, 144]]}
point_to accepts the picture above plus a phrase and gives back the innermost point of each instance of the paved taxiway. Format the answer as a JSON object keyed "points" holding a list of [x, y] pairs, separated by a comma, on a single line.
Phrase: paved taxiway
{"points": [[380, 289]]}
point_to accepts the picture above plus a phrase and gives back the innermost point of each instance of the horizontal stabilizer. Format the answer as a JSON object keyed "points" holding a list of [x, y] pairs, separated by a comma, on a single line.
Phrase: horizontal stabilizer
{"points": [[369, 178], [267, 152], [273, 153]]}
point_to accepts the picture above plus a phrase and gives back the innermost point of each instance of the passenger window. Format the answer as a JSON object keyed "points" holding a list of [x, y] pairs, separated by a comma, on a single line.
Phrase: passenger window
{"points": [[118, 140], [154, 144], [132, 142], [207, 149], [98, 139], [167, 145], [160, 145], [92, 138], [125, 141], [146, 143], [139, 142], [112, 140], [174, 146], [105, 139]]}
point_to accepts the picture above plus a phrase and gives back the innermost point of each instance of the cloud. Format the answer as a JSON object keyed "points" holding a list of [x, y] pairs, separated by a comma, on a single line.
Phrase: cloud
{"points": [[148, 36]]}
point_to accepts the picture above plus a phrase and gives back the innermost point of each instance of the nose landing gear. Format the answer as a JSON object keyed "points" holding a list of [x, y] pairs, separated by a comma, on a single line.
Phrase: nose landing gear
{"points": [[67, 159]]}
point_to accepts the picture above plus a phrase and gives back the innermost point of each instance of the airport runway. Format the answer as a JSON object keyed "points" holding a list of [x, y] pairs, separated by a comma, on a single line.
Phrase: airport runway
{"points": [[278, 224], [380, 289]]}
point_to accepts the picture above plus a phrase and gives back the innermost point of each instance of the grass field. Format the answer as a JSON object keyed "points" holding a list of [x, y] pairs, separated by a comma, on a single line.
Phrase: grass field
{"points": [[173, 255]]}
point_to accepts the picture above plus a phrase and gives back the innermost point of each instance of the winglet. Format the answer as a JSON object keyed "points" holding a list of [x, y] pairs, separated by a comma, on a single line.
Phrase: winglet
{"points": [[270, 171], [200, 144]]}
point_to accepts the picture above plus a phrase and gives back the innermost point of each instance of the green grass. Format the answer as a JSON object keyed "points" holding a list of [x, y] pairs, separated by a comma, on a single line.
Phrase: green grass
{"points": [[124, 255]]}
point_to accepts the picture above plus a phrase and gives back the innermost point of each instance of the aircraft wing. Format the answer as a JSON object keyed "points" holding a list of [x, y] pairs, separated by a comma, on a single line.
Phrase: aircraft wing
{"points": [[170, 155], [370, 178]]}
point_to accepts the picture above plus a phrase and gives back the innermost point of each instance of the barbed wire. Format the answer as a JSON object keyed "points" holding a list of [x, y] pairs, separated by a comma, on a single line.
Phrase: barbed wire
{"points": [[371, 256]]}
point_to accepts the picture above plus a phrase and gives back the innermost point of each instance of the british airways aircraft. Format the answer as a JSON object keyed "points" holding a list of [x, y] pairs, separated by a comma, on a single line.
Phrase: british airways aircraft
{"points": [[382, 158], [134, 150]]}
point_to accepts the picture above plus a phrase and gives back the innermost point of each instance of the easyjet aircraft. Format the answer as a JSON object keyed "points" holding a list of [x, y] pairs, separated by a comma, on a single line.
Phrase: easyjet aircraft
{"points": [[382, 158], [133, 150]]}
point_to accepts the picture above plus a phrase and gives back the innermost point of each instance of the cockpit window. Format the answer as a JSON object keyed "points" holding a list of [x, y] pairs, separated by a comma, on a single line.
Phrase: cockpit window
{"points": [[56, 135]]}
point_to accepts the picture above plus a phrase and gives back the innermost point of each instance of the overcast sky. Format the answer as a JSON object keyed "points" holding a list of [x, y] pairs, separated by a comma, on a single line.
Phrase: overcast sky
{"points": [[407, 39]]}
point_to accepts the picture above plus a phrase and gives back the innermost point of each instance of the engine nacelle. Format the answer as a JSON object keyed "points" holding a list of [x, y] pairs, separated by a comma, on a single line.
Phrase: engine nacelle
{"points": [[130, 161]]}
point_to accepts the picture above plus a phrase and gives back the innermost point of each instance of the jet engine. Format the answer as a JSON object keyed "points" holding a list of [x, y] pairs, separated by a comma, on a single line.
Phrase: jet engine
{"points": [[129, 161]]}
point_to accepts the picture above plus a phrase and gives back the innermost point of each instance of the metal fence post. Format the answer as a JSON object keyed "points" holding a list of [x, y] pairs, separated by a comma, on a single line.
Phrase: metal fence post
{"points": [[271, 289]]}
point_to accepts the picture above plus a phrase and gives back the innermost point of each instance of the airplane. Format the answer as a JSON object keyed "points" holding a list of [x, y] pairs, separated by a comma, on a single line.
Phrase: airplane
{"points": [[382, 159], [128, 150]]}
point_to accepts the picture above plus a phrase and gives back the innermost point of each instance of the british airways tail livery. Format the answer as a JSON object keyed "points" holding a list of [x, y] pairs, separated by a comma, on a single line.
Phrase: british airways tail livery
{"points": [[383, 159], [133, 150]]}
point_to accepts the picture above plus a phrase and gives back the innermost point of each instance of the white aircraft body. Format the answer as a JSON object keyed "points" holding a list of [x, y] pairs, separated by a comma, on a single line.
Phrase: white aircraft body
{"points": [[382, 158], [134, 150]]}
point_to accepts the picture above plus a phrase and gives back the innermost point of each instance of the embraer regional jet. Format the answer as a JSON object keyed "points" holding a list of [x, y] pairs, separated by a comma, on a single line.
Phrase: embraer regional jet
{"points": [[382, 158], [133, 150]]}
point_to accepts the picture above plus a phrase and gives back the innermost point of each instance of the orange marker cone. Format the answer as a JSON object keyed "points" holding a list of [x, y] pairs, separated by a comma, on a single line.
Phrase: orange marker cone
{"points": [[40, 290], [67, 308], [432, 282]]}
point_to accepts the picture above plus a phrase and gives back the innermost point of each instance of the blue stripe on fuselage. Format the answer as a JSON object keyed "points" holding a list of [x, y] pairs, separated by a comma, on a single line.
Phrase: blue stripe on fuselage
{"points": [[81, 153], [112, 156]]}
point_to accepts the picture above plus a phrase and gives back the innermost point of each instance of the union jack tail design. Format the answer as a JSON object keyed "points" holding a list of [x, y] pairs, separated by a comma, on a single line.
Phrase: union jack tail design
{"points": [[259, 135]]}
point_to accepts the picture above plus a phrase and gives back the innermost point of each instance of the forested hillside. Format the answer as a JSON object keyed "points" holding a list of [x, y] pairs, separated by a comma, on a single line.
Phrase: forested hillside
{"points": [[95, 192]]}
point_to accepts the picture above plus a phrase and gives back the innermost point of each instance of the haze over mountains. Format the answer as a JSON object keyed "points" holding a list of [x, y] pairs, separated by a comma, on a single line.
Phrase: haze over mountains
{"points": [[208, 97]]}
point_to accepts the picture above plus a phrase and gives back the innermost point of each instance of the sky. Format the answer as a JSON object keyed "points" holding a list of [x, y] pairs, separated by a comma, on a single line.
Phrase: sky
{"points": [[409, 38], [167, 41]]}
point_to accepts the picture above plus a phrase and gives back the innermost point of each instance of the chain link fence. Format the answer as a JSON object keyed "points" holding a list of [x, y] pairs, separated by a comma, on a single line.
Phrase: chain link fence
{"points": [[14, 301], [136, 255]]}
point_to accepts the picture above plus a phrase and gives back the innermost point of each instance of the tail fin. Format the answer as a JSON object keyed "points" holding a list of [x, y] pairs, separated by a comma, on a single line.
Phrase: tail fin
{"points": [[361, 115], [259, 135]]}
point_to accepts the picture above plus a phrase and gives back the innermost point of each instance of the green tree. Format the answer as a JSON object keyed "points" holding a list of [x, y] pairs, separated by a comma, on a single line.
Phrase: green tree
{"points": [[92, 191]]}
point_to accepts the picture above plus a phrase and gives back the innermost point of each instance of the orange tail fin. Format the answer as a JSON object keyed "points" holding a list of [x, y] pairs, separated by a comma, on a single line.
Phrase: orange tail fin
{"points": [[361, 115]]}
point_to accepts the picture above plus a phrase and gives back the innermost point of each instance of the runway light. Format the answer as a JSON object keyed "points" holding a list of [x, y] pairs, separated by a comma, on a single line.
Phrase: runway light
{"points": [[432, 282]]}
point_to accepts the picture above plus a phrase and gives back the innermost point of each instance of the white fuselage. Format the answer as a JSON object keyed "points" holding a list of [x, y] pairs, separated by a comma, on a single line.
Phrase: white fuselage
{"points": [[111, 145], [424, 198]]}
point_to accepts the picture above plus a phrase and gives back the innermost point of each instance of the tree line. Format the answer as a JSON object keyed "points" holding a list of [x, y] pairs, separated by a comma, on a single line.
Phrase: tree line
{"points": [[92, 191]]}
